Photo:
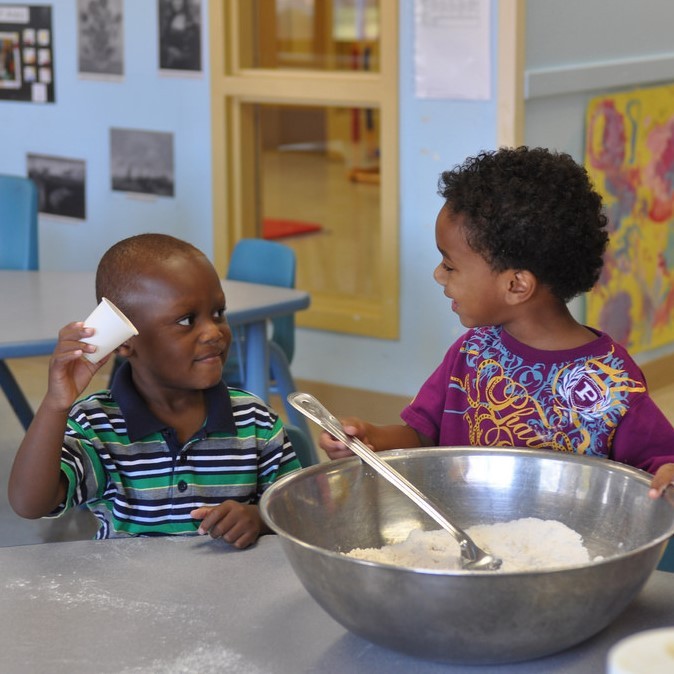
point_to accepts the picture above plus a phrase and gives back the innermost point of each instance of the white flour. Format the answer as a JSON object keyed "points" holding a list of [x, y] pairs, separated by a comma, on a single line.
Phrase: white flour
{"points": [[202, 659], [526, 544]]}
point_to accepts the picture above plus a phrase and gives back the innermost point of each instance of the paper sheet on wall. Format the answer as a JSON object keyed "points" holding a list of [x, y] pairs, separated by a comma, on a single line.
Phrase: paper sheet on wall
{"points": [[452, 49]]}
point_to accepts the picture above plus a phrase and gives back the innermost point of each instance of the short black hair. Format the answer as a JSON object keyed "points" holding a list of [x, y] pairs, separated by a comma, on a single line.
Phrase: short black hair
{"points": [[534, 209], [122, 265]]}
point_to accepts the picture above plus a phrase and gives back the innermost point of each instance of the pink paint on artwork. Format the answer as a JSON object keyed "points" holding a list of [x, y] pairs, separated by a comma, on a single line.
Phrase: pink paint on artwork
{"points": [[658, 174], [619, 180]]}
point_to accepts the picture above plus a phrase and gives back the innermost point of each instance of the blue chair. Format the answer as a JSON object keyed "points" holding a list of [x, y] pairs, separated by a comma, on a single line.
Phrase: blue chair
{"points": [[18, 223], [274, 264], [18, 250], [271, 263], [303, 446]]}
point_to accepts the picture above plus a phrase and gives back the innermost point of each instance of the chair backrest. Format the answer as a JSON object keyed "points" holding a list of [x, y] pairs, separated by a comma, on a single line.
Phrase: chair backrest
{"points": [[303, 446], [271, 263], [18, 223]]}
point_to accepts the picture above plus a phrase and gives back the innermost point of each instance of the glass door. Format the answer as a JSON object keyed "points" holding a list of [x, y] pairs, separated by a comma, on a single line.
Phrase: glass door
{"points": [[305, 132]]}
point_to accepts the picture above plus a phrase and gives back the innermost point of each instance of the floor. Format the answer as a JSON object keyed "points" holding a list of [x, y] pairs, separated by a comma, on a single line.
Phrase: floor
{"points": [[32, 376]]}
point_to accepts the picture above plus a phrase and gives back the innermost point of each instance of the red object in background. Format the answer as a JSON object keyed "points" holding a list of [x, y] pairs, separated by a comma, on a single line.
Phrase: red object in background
{"points": [[275, 228]]}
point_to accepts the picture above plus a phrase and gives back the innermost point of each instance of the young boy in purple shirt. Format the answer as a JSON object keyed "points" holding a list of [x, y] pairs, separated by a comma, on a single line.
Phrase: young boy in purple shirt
{"points": [[521, 233]]}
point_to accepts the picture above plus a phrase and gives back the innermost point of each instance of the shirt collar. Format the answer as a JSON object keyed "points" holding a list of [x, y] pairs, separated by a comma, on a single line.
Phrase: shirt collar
{"points": [[140, 422]]}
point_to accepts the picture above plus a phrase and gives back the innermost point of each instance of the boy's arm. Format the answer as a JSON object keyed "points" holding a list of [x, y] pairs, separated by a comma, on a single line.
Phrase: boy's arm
{"points": [[379, 438], [645, 439], [36, 484], [396, 436]]}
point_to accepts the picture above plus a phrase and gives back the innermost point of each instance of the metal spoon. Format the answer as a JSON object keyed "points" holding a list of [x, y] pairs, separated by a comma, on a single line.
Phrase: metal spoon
{"points": [[472, 557]]}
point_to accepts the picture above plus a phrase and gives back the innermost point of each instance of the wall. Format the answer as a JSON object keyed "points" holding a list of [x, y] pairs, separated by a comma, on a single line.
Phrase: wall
{"points": [[615, 46], [77, 126], [434, 135], [562, 74]]}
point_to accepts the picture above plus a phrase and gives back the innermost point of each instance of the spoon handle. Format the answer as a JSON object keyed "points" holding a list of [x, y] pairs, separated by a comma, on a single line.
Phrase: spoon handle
{"points": [[315, 411], [361, 450]]}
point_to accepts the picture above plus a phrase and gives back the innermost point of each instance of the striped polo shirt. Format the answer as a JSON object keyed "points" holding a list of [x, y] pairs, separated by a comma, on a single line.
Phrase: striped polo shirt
{"points": [[128, 468]]}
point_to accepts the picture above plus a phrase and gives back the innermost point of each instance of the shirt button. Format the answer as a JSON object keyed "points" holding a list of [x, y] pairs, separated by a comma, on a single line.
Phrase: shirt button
{"points": [[183, 458], [182, 485]]}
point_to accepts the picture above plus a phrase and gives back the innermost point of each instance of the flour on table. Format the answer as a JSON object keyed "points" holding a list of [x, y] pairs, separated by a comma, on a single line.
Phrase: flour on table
{"points": [[202, 659], [526, 544]]}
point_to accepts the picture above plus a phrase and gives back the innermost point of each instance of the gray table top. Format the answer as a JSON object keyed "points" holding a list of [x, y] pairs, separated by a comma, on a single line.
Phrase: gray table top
{"points": [[37, 304], [196, 605]]}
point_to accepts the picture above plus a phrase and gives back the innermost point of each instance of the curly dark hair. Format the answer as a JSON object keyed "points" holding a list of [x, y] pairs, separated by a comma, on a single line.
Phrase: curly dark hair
{"points": [[533, 209], [123, 264]]}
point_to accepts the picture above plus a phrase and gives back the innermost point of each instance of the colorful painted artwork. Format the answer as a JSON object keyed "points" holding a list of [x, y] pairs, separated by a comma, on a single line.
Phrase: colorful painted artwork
{"points": [[629, 154]]}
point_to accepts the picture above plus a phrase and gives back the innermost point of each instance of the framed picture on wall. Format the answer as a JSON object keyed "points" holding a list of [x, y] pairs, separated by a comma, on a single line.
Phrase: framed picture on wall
{"points": [[10, 60], [26, 54], [61, 185], [180, 35], [100, 38], [142, 162]]}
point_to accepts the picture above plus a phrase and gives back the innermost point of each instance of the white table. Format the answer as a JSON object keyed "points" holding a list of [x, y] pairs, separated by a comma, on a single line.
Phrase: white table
{"points": [[165, 605], [35, 305]]}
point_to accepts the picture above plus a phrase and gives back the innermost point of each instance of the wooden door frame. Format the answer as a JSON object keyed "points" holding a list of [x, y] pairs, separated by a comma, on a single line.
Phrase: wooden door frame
{"points": [[234, 206]]}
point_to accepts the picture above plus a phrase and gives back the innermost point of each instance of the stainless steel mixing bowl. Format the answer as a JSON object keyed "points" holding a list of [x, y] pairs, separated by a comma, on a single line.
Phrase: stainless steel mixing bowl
{"points": [[471, 617]]}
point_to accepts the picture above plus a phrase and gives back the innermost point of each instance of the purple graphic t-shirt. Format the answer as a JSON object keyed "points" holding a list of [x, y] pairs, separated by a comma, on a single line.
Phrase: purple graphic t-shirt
{"points": [[491, 390]]}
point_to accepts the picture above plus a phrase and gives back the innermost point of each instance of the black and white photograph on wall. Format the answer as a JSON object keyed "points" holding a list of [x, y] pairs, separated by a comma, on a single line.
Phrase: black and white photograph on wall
{"points": [[26, 54], [142, 162], [180, 35], [61, 184], [100, 38]]}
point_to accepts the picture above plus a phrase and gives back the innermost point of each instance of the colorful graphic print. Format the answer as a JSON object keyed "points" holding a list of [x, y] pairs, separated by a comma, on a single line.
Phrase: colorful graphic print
{"points": [[573, 406], [629, 154]]}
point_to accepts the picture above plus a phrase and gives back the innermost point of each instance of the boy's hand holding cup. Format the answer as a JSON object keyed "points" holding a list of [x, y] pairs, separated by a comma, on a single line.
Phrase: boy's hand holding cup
{"points": [[112, 328]]}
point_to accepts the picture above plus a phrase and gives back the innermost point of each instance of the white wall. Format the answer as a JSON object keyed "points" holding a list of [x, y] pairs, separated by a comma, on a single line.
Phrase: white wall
{"points": [[78, 124], [576, 50]]}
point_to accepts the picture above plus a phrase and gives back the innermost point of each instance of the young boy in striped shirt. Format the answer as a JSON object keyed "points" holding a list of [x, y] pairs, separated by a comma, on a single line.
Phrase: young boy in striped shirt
{"points": [[169, 449]]}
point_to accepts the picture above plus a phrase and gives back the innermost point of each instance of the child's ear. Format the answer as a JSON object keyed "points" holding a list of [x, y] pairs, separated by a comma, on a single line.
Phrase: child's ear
{"points": [[521, 285]]}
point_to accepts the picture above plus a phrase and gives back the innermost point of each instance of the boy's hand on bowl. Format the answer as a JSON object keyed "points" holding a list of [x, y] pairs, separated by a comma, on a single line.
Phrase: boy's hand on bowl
{"points": [[664, 476]]}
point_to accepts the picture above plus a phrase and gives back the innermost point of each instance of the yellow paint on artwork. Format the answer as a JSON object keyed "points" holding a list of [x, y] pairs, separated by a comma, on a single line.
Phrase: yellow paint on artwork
{"points": [[629, 155]]}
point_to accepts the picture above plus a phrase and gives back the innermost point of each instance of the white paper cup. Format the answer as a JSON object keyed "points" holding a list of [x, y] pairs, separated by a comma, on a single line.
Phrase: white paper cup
{"points": [[649, 652], [112, 329]]}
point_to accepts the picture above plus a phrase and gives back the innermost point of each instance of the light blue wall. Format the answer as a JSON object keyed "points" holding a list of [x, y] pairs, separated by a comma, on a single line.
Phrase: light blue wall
{"points": [[434, 135], [629, 46], [78, 124]]}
